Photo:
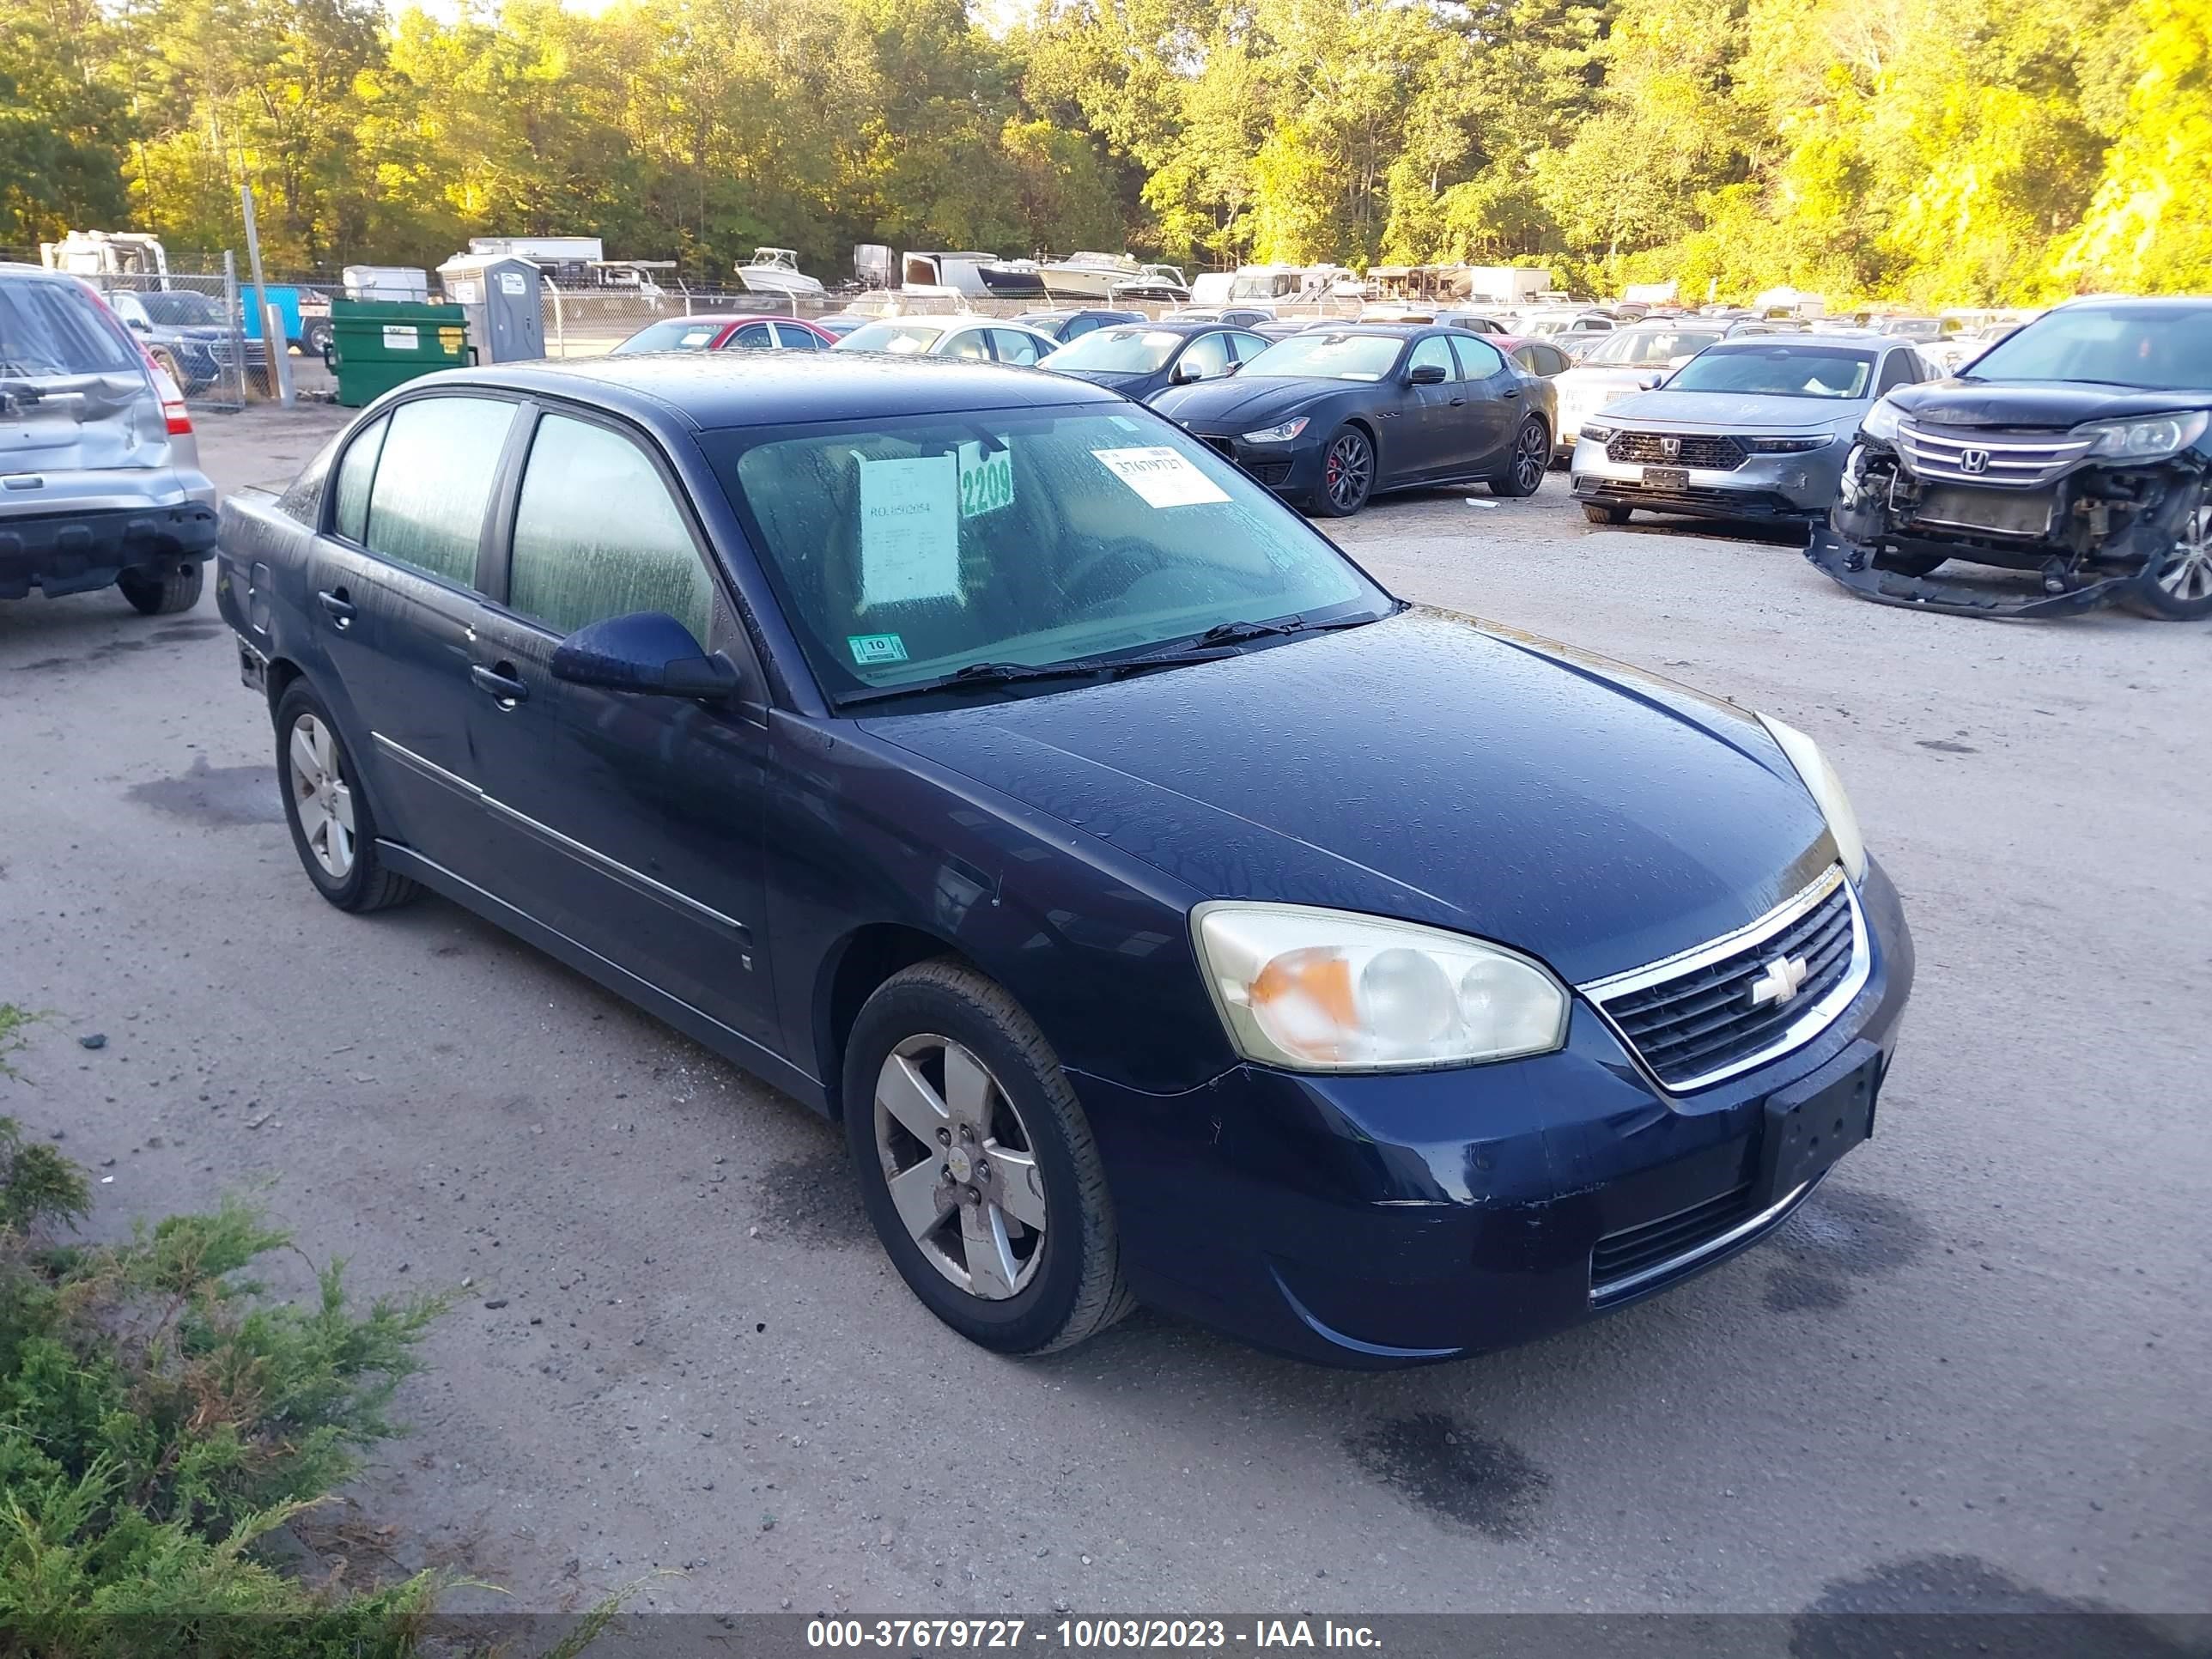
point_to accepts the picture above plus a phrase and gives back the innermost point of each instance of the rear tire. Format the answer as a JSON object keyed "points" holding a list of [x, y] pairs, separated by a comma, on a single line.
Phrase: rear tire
{"points": [[1530, 460], [1043, 1269], [2178, 587], [1599, 513], [314, 770], [165, 590]]}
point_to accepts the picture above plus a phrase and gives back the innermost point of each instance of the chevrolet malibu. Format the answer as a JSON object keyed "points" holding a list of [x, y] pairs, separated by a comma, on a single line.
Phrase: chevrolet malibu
{"points": [[1165, 911]]}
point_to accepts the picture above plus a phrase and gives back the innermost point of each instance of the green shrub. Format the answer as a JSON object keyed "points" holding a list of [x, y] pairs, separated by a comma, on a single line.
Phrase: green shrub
{"points": [[160, 1416]]}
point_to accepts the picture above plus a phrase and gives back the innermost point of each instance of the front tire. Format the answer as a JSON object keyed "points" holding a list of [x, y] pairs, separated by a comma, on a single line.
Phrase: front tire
{"points": [[164, 590], [1599, 513], [1348, 473], [333, 826], [977, 1165], [2178, 587], [1530, 460]]}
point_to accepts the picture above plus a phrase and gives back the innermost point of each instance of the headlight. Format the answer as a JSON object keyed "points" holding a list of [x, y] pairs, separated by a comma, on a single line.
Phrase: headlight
{"points": [[1827, 792], [1880, 422], [2144, 441], [1598, 431], [1278, 434], [1786, 445], [1332, 990]]}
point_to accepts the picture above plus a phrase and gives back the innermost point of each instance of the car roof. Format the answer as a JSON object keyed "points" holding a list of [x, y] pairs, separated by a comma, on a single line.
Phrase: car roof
{"points": [[1171, 325], [720, 316], [764, 388], [1865, 339], [14, 268]]}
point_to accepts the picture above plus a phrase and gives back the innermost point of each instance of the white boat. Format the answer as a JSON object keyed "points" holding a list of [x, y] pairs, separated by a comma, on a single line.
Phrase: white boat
{"points": [[776, 270], [1090, 276]]}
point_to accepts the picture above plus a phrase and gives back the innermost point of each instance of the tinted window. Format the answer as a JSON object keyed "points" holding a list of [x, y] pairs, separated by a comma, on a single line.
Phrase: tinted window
{"points": [[795, 338], [433, 482], [1014, 347], [1899, 369], [753, 337], [55, 328], [350, 516], [1205, 358], [596, 535], [1075, 326], [1478, 359], [1433, 352]]}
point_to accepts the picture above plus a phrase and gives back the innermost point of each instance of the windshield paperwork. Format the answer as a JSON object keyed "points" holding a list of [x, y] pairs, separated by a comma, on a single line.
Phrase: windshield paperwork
{"points": [[1328, 356], [904, 551], [905, 339], [1118, 351], [1778, 371], [2160, 348], [1635, 348]]}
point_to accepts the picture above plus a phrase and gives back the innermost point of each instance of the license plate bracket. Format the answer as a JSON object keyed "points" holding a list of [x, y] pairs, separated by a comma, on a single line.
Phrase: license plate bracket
{"points": [[1992, 512], [1812, 1123], [1666, 477]]}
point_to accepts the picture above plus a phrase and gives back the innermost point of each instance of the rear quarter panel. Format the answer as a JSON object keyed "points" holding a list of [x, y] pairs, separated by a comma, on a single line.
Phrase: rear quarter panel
{"points": [[265, 561]]}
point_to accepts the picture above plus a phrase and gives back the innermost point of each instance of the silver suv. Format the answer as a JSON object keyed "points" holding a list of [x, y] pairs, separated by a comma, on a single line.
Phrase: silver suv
{"points": [[99, 474]]}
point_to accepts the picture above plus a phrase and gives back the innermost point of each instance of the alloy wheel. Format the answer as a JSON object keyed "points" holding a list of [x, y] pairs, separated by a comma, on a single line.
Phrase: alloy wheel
{"points": [[1531, 455], [2187, 575], [1350, 466], [960, 1166], [321, 796]]}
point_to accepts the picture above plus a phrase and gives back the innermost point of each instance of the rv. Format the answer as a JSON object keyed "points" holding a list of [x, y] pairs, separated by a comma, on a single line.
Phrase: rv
{"points": [[137, 259]]}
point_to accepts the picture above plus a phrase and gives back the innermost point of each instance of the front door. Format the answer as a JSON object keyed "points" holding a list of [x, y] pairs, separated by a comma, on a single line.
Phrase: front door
{"points": [[394, 599], [631, 824], [1430, 435]]}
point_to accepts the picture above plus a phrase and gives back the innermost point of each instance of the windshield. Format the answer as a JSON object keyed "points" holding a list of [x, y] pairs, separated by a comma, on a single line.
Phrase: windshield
{"points": [[2160, 347], [1777, 370], [907, 339], [1635, 347], [677, 334], [181, 309], [1913, 328], [904, 549], [55, 328], [1118, 351], [1327, 355]]}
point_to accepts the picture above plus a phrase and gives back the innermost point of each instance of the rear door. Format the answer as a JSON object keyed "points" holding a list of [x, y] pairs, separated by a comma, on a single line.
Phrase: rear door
{"points": [[1496, 402], [393, 605], [631, 824]]}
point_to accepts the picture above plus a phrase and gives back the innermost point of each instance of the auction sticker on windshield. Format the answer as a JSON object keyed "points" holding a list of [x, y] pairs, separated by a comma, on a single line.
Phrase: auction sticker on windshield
{"points": [[987, 480], [1163, 477]]}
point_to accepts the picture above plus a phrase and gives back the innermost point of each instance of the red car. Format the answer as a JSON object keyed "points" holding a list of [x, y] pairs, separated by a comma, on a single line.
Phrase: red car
{"points": [[742, 332]]}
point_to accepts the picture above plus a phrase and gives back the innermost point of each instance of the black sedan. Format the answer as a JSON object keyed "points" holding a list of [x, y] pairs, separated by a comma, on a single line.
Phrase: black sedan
{"points": [[1165, 911], [1066, 326], [1139, 362], [1333, 417]]}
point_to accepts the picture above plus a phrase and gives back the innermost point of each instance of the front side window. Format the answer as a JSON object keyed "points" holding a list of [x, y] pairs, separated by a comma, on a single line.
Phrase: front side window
{"points": [[753, 337], [1435, 352], [1778, 371], [349, 514], [434, 478], [904, 549], [1207, 358], [793, 338], [1899, 369], [1328, 355], [597, 534], [1014, 347]]}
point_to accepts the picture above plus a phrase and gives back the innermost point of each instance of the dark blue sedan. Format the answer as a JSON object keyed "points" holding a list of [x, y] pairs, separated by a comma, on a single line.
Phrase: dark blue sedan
{"points": [[1167, 912], [1141, 360]]}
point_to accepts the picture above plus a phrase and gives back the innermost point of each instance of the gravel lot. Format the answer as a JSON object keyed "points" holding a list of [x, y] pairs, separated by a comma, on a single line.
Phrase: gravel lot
{"points": [[1972, 1370]]}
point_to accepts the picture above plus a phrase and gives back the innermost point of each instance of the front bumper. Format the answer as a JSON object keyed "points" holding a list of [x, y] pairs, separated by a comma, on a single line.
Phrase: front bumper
{"points": [[82, 547], [1380, 1221], [1292, 471], [1780, 487]]}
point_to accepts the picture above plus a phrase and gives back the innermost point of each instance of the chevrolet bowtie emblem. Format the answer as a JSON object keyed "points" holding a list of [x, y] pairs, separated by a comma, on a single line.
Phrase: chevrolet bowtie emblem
{"points": [[1780, 982]]}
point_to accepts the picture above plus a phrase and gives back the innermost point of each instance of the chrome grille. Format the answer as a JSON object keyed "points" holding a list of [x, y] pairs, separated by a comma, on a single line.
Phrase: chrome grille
{"points": [[1712, 453], [1699, 1017], [2008, 459]]}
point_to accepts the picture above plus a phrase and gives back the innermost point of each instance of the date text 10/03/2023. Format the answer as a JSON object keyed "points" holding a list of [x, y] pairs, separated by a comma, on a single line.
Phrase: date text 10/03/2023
{"points": [[1087, 1635]]}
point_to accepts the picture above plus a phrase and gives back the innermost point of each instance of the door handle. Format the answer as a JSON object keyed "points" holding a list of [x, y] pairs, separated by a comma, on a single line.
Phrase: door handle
{"points": [[335, 601], [499, 680], [1459, 403], [1511, 391]]}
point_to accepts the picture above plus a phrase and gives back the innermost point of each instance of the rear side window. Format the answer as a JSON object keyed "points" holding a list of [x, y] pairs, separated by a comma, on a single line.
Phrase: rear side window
{"points": [[597, 534], [1014, 348], [753, 337], [1902, 368], [1478, 359], [349, 510], [433, 479], [793, 338], [50, 328]]}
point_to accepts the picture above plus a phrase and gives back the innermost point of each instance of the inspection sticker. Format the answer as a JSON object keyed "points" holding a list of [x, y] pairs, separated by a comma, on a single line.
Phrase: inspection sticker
{"points": [[909, 529], [868, 648], [1164, 476], [987, 480]]}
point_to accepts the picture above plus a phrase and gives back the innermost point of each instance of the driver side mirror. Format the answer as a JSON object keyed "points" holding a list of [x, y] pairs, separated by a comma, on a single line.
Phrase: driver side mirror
{"points": [[1187, 371], [1425, 374], [140, 324], [648, 652], [1651, 382]]}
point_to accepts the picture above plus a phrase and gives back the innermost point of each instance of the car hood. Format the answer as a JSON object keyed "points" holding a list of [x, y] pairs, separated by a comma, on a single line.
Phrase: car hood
{"points": [[1425, 767], [2035, 403], [1238, 404], [1733, 411], [1117, 379]]}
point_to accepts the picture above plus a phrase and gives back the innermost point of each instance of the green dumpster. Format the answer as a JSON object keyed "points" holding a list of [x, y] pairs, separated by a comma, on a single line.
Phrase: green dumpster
{"points": [[377, 345]]}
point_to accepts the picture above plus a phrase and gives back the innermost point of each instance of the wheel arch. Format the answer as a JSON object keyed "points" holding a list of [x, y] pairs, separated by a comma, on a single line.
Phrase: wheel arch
{"points": [[849, 974]]}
